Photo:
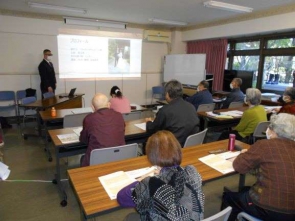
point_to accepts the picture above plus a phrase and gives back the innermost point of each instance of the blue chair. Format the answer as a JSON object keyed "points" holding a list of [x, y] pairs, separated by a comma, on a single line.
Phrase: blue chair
{"points": [[158, 92], [8, 99], [245, 216], [48, 95], [28, 100], [19, 96]]}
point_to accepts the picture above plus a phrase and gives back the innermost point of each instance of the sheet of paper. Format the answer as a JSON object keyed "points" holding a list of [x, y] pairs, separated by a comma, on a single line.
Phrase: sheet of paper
{"points": [[233, 113], [82, 110], [140, 172], [78, 131], [68, 138], [229, 154], [4, 171], [114, 182], [218, 163], [141, 126]]}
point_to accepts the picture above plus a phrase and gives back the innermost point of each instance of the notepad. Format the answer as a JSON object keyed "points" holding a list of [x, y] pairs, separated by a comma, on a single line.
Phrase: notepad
{"points": [[78, 131], [68, 138]]}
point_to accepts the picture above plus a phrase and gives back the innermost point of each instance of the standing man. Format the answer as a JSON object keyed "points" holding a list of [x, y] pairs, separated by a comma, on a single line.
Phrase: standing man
{"points": [[47, 73], [236, 95], [178, 116], [102, 128], [203, 95]]}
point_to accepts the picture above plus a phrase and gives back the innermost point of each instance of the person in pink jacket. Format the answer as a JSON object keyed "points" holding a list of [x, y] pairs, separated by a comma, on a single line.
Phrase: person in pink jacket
{"points": [[118, 102]]}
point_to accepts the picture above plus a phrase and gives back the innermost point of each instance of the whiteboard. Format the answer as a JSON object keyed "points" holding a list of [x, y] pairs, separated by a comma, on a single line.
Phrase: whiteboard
{"points": [[188, 69]]}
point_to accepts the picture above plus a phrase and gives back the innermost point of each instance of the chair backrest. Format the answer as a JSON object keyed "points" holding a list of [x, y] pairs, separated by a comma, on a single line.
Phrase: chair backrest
{"points": [[28, 100], [236, 104], [20, 95], [48, 95], [260, 129], [110, 154], [7, 96], [74, 120], [242, 216], [221, 216], [206, 107], [195, 139], [158, 92]]}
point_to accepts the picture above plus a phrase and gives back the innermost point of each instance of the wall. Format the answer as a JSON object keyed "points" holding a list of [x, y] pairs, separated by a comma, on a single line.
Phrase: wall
{"points": [[276, 23], [24, 39]]}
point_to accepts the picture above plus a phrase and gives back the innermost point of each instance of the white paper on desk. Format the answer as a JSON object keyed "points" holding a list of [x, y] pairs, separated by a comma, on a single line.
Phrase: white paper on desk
{"points": [[78, 131], [229, 154], [218, 163], [82, 110], [271, 107], [68, 138], [141, 126], [233, 113], [4, 171], [140, 172], [114, 182], [210, 113]]}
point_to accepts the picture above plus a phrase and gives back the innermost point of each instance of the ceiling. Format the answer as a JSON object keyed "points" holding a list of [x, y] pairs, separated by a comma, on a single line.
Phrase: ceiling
{"points": [[140, 11]]}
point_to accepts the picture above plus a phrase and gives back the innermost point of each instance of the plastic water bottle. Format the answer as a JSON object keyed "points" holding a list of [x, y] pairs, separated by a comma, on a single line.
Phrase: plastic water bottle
{"points": [[231, 142], [53, 112]]}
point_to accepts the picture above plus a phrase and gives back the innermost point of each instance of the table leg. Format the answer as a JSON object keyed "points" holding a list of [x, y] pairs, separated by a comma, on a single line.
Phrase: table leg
{"points": [[57, 181], [242, 181], [47, 150]]}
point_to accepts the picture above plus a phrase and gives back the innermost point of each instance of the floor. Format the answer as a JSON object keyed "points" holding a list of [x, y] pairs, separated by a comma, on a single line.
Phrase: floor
{"points": [[30, 195]]}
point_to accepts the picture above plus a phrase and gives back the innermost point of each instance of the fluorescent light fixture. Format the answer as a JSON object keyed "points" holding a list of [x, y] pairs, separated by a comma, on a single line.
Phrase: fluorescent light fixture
{"points": [[56, 7], [226, 6], [167, 22], [94, 22]]}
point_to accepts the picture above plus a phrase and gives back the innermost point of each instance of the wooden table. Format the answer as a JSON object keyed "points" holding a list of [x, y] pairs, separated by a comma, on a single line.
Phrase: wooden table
{"points": [[133, 134], [58, 103], [93, 198], [205, 118]]}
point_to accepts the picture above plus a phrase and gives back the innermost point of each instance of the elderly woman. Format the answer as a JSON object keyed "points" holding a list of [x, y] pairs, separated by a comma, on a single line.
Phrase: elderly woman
{"points": [[118, 102], [272, 197], [251, 117], [289, 101], [175, 193]]}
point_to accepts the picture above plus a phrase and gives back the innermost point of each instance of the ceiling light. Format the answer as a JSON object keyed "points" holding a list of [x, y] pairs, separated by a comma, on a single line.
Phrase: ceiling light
{"points": [[94, 22], [167, 22], [226, 6], [56, 7]]}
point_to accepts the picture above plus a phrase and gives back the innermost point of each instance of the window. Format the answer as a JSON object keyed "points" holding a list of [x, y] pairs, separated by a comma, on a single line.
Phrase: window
{"points": [[247, 63], [281, 43], [271, 57], [277, 72], [250, 45]]}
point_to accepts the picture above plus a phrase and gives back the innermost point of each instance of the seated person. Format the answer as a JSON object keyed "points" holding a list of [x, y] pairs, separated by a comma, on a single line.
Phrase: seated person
{"points": [[236, 95], [178, 116], [150, 197], [289, 101], [203, 95], [118, 102], [250, 118], [102, 128], [272, 197]]}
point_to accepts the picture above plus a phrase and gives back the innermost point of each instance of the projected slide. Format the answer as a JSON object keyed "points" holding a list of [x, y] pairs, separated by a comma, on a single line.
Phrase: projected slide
{"points": [[98, 57]]}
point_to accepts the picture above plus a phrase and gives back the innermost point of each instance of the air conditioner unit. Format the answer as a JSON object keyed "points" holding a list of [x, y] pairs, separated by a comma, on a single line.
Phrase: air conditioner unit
{"points": [[157, 36]]}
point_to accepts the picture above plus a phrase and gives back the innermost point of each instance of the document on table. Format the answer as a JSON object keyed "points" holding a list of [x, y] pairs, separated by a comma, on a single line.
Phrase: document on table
{"points": [[82, 110], [141, 126], [114, 182], [4, 171], [141, 172], [78, 131], [234, 113], [218, 163], [68, 138]]}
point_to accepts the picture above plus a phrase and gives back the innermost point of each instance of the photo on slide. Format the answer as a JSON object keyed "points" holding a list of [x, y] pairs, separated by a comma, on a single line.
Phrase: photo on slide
{"points": [[119, 56]]}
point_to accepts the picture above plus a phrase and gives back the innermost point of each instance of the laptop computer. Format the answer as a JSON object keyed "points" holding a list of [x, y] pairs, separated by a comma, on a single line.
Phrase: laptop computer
{"points": [[71, 94]]}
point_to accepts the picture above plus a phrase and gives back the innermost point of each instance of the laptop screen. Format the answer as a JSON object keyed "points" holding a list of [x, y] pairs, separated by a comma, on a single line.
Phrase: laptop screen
{"points": [[72, 92]]}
